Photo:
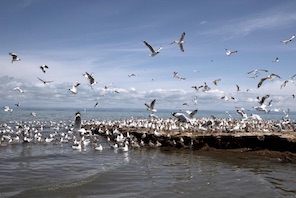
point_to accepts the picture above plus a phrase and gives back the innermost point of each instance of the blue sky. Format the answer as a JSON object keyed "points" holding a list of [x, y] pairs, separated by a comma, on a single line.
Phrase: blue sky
{"points": [[105, 38]]}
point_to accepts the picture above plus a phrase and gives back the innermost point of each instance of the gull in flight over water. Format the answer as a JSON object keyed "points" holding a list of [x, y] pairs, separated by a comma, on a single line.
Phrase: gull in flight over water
{"points": [[43, 67], [269, 77], [14, 57], [288, 40], [44, 81], [7, 109], [228, 52], [153, 52], [180, 42], [151, 106]]}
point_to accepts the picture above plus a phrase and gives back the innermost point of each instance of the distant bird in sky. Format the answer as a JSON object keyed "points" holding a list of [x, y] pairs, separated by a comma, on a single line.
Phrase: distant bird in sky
{"points": [[73, 89], [43, 67], [269, 77], [131, 75], [44, 81], [153, 52], [288, 40], [256, 71], [14, 57], [276, 60], [17, 104], [237, 88], [90, 78], [180, 42], [216, 81], [229, 52], [150, 107], [96, 104], [285, 83], [18, 89]]}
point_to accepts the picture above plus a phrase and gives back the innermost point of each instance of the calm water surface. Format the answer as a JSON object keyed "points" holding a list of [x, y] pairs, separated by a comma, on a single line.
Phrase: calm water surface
{"points": [[38, 170]]}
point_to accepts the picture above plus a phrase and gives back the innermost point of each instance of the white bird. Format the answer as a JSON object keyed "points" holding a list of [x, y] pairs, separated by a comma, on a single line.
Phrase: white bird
{"points": [[288, 40], [14, 57], [7, 109], [151, 106], [44, 81], [99, 147], [228, 52], [73, 89], [180, 42], [242, 113], [18, 89], [255, 117], [90, 78], [153, 52], [43, 67], [181, 117]]}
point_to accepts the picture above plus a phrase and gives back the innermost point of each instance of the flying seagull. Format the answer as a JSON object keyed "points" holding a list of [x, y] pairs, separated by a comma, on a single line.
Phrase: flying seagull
{"points": [[43, 67], [18, 89], [153, 52], [276, 60], [269, 77], [216, 81], [228, 52], [151, 106], [14, 57], [73, 89], [256, 71], [180, 42], [44, 81], [288, 40], [181, 117], [90, 78]]}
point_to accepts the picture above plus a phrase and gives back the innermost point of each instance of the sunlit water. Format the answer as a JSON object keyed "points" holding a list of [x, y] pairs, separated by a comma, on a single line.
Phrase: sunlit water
{"points": [[38, 170]]}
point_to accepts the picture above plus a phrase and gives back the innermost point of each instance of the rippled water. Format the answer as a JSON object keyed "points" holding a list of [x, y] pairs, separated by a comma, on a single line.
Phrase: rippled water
{"points": [[38, 170]]}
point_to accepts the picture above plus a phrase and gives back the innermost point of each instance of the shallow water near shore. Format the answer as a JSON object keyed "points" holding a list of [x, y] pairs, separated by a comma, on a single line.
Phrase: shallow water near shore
{"points": [[39, 170]]}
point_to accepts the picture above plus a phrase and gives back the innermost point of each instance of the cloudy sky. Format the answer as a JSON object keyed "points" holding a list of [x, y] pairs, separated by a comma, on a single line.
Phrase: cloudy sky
{"points": [[105, 38]]}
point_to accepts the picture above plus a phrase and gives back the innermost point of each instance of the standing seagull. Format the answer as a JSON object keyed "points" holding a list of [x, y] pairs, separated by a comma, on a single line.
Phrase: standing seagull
{"points": [[228, 52], [270, 77], [14, 57], [151, 106], [180, 42], [153, 52]]}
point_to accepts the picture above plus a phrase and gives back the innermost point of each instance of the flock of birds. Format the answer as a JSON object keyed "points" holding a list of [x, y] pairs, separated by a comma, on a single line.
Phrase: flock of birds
{"points": [[182, 121]]}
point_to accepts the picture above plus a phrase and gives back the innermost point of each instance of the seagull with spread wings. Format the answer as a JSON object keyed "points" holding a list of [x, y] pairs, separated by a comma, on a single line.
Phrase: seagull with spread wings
{"points": [[289, 40], [44, 81], [269, 77], [150, 107], [153, 52], [229, 52], [90, 78], [180, 42], [73, 89], [14, 57], [43, 67]]}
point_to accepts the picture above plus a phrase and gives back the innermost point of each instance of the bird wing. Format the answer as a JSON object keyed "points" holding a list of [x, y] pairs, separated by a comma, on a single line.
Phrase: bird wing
{"points": [[149, 46], [182, 37], [263, 99], [147, 105], [275, 75], [181, 47], [152, 104], [41, 80], [261, 81], [193, 113]]}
